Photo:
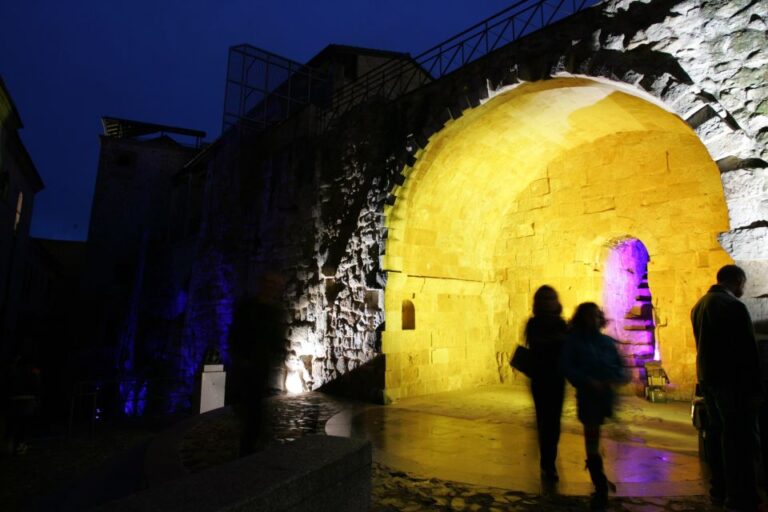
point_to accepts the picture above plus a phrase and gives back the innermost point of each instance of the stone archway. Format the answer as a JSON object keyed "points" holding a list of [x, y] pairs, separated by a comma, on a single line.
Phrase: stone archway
{"points": [[528, 189]]}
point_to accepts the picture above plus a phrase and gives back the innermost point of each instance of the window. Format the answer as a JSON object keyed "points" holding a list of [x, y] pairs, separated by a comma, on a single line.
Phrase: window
{"points": [[19, 205]]}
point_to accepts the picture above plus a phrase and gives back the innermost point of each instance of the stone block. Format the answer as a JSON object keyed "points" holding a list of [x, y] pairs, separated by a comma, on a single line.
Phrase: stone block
{"points": [[522, 231], [539, 187], [746, 243], [745, 183], [747, 211], [598, 205], [534, 202]]}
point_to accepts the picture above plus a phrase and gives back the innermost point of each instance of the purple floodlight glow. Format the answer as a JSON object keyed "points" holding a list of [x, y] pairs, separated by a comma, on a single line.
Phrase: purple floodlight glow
{"points": [[134, 396], [212, 290], [627, 301]]}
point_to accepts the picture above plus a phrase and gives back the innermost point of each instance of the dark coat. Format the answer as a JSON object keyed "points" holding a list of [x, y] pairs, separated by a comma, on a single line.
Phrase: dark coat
{"points": [[255, 348], [727, 353], [545, 336]]}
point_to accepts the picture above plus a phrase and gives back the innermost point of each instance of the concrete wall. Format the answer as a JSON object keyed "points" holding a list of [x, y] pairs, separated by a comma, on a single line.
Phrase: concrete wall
{"points": [[314, 473]]}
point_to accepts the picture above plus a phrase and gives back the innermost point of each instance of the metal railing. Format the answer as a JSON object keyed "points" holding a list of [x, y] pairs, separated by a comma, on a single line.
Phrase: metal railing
{"points": [[264, 89], [397, 77]]}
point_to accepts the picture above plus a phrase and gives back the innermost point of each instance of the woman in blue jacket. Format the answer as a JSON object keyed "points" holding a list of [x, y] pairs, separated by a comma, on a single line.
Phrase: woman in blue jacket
{"points": [[593, 366]]}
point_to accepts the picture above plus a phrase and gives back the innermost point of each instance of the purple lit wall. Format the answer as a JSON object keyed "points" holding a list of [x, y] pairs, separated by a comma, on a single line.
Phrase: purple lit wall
{"points": [[212, 289], [132, 392], [627, 302]]}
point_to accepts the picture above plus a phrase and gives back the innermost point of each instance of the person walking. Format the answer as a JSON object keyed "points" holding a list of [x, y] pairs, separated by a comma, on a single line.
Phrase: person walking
{"points": [[545, 336], [728, 370], [256, 347], [593, 366]]}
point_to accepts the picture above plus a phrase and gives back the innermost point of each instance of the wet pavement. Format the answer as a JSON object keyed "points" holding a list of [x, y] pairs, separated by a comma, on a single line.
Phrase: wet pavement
{"points": [[470, 450], [475, 451], [214, 439], [487, 437]]}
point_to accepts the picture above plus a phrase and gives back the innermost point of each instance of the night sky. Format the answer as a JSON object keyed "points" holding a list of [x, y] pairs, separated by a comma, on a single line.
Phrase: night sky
{"points": [[67, 63]]}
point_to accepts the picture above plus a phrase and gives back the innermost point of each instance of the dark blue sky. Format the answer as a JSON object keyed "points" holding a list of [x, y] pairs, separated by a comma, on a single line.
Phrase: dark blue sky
{"points": [[67, 63]]}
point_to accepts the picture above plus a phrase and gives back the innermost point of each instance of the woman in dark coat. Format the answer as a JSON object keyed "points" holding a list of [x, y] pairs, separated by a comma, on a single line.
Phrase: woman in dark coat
{"points": [[592, 364], [545, 335]]}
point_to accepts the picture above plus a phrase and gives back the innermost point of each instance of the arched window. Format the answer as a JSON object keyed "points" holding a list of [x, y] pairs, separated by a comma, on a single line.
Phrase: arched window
{"points": [[409, 316]]}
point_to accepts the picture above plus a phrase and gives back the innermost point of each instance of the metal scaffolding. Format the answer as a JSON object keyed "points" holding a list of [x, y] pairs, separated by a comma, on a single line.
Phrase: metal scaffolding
{"points": [[264, 88]]}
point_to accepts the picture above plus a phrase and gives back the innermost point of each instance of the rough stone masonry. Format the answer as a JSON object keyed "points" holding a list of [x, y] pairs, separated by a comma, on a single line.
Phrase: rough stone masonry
{"points": [[317, 208]]}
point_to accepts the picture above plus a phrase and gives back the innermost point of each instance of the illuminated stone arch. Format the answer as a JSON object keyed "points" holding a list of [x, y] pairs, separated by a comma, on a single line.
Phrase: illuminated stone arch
{"points": [[527, 189]]}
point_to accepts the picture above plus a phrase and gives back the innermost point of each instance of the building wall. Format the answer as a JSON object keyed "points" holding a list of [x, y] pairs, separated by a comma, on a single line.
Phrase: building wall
{"points": [[132, 195], [18, 178]]}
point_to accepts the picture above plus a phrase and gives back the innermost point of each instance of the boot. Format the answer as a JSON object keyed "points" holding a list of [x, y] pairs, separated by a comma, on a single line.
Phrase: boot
{"points": [[599, 499]]}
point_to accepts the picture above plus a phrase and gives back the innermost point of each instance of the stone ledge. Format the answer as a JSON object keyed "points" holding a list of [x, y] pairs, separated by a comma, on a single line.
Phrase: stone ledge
{"points": [[317, 473]]}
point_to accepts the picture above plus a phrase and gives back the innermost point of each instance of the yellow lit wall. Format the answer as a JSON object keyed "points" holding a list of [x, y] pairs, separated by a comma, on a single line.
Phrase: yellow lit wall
{"points": [[531, 188]]}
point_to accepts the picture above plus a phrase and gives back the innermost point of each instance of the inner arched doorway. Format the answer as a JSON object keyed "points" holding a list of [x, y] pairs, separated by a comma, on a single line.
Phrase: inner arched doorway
{"points": [[628, 304], [530, 188]]}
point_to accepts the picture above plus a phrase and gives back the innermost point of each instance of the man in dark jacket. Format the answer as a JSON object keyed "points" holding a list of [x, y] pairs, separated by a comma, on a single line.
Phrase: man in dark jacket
{"points": [[728, 370]]}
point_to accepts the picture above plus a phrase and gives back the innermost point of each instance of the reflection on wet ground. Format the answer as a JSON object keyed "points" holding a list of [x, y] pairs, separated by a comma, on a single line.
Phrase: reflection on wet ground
{"points": [[496, 421], [487, 437]]}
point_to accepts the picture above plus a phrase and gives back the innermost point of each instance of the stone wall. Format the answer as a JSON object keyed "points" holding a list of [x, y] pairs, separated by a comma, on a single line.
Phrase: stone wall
{"points": [[317, 216], [704, 62]]}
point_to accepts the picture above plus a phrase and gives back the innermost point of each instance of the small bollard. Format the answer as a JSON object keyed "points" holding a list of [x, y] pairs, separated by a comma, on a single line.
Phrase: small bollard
{"points": [[212, 386]]}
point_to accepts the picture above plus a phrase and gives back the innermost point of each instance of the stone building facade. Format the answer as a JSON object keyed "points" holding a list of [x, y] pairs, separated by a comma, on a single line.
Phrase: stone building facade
{"points": [[129, 236], [19, 182], [618, 155]]}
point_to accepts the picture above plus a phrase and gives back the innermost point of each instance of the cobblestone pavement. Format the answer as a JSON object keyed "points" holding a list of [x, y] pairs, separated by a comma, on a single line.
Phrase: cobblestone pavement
{"points": [[214, 440], [397, 491]]}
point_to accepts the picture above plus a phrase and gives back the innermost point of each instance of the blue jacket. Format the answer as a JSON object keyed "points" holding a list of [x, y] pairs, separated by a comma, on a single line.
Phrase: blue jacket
{"points": [[591, 356]]}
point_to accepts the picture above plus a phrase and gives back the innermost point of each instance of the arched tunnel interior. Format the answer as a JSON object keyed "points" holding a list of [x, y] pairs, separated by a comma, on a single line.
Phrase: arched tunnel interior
{"points": [[576, 183]]}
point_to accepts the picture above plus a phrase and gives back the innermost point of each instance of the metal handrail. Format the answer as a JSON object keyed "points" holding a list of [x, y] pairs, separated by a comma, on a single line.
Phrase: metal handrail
{"points": [[396, 77]]}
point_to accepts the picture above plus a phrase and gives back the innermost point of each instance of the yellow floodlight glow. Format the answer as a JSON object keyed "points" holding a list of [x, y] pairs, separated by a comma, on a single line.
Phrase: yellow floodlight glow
{"points": [[533, 187]]}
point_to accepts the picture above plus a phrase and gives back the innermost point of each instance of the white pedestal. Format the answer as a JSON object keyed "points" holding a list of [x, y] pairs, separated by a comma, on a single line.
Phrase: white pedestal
{"points": [[212, 387]]}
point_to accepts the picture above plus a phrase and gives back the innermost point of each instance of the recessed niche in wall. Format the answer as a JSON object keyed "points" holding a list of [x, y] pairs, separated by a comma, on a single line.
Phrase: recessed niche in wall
{"points": [[409, 316]]}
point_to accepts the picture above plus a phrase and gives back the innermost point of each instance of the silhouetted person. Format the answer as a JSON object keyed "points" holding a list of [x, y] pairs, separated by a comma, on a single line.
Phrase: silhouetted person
{"points": [[545, 335], [256, 345], [727, 366], [592, 364]]}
